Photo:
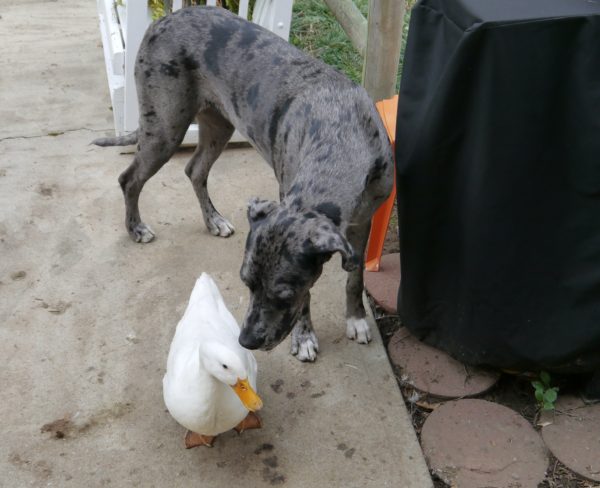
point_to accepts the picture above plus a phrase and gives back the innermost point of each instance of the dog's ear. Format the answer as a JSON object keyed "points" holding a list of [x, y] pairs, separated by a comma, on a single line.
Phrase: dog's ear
{"points": [[326, 240], [259, 209]]}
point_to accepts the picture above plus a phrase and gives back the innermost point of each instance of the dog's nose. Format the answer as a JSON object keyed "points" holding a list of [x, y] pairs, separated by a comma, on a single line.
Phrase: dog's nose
{"points": [[249, 340]]}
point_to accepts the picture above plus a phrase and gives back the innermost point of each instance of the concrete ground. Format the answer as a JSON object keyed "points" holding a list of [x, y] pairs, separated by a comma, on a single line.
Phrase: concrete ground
{"points": [[87, 316]]}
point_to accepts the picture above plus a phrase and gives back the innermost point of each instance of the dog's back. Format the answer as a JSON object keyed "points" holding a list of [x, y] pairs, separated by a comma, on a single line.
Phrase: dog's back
{"points": [[296, 110]]}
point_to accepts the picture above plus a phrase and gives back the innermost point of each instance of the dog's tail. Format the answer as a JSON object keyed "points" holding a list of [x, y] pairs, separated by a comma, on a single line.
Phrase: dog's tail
{"points": [[127, 140]]}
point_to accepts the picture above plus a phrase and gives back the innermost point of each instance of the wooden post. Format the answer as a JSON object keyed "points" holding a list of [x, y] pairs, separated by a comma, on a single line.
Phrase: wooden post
{"points": [[352, 21], [384, 39]]}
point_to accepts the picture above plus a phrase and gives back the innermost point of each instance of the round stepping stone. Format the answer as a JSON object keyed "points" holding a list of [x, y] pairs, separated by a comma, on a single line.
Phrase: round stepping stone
{"points": [[473, 443], [435, 372], [574, 436], [383, 285]]}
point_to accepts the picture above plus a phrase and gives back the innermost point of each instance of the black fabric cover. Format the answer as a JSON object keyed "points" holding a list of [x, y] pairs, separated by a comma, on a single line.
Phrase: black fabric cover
{"points": [[498, 165]]}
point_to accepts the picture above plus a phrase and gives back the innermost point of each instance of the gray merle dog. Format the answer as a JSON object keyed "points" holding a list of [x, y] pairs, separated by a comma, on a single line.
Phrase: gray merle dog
{"points": [[319, 131]]}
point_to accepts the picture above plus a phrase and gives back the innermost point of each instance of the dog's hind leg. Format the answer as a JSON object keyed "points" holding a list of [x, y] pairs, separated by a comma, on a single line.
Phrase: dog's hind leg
{"points": [[357, 326], [214, 133], [305, 345], [163, 122], [152, 154], [147, 161]]}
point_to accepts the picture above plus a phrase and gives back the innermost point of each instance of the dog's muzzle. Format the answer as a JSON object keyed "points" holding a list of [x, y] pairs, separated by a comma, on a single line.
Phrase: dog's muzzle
{"points": [[249, 340]]}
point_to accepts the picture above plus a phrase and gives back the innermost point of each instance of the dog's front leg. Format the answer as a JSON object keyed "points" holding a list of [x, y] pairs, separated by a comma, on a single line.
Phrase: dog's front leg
{"points": [[305, 345], [357, 326]]}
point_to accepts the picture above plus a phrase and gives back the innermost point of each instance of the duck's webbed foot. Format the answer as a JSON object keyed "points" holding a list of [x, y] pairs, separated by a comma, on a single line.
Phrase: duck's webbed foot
{"points": [[252, 421], [192, 439]]}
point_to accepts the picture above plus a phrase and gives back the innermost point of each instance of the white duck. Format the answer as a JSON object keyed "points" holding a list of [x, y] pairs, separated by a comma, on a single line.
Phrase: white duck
{"points": [[210, 383]]}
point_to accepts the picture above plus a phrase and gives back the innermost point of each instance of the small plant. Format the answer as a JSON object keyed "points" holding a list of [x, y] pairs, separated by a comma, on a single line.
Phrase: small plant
{"points": [[545, 394]]}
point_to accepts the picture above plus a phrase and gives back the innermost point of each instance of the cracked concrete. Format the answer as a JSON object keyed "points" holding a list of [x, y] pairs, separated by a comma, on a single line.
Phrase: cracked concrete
{"points": [[55, 133], [86, 315]]}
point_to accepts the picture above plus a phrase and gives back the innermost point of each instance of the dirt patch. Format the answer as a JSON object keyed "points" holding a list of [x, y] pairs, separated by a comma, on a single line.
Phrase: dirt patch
{"points": [[46, 190], [277, 386], [266, 447], [18, 275], [40, 469], [559, 476], [72, 425], [59, 428], [57, 308], [270, 474]]}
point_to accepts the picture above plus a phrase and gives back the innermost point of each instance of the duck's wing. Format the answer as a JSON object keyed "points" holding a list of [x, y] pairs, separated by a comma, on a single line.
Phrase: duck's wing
{"points": [[203, 290], [228, 319], [223, 311], [206, 299], [204, 295], [201, 306]]}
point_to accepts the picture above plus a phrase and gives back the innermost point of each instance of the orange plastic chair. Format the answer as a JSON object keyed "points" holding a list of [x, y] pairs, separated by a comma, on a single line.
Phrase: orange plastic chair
{"points": [[381, 219]]}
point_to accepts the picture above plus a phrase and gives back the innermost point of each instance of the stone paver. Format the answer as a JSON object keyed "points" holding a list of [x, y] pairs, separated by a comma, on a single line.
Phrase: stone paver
{"points": [[433, 371], [573, 436], [383, 285], [475, 443]]}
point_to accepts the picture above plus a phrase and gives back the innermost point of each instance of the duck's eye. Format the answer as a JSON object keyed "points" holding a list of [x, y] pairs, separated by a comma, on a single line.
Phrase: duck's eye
{"points": [[225, 366]]}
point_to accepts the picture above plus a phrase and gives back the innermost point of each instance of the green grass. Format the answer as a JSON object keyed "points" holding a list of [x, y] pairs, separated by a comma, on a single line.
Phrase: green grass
{"points": [[316, 31]]}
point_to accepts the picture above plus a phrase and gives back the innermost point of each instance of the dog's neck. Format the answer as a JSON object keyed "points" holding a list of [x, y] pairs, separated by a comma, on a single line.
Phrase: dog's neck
{"points": [[312, 209]]}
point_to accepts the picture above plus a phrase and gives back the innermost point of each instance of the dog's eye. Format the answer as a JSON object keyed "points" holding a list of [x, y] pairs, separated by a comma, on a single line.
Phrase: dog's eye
{"points": [[225, 366]]}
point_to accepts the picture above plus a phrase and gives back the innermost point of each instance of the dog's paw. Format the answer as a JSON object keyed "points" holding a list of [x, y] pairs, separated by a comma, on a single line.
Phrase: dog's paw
{"points": [[358, 329], [305, 346], [219, 226], [142, 233]]}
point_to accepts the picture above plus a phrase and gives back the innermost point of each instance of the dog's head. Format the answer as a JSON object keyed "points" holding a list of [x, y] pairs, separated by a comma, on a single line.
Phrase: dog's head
{"points": [[285, 252]]}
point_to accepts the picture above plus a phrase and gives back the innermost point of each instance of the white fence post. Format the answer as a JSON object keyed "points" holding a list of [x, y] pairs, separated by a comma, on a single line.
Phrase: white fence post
{"points": [[275, 15], [134, 33], [243, 10]]}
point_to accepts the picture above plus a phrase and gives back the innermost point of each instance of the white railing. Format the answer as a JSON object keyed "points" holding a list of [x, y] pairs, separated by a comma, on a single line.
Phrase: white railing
{"points": [[122, 28]]}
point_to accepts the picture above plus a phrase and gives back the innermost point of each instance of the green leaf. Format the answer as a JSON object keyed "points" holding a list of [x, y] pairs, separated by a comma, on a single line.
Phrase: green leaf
{"points": [[545, 377], [550, 395], [537, 385], [548, 406], [539, 395]]}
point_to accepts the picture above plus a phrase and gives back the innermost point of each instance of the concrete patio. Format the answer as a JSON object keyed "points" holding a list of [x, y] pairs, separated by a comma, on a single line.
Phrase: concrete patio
{"points": [[87, 316]]}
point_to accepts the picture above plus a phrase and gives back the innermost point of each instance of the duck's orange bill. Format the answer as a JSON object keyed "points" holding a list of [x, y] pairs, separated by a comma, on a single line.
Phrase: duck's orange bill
{"points": [[247, 395]]}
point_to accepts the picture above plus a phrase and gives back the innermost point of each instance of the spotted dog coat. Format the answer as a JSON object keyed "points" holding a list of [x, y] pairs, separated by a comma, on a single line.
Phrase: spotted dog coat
{"points": [[319, 131]]}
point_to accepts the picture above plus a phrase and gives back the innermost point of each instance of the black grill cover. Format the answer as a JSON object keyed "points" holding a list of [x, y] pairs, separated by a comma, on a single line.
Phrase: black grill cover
{"points": [[498, 165]]}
